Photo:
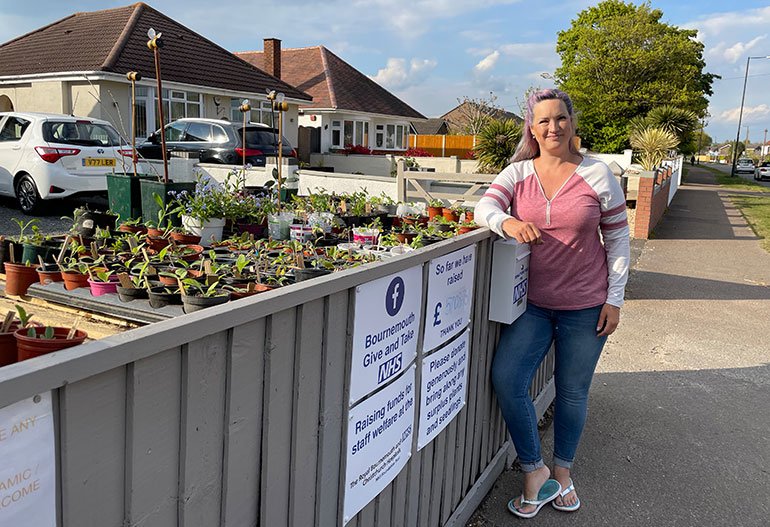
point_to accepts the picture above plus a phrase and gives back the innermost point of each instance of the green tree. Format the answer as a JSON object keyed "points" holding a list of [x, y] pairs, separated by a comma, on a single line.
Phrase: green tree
{"points": [[741, 149], [619, 61]]}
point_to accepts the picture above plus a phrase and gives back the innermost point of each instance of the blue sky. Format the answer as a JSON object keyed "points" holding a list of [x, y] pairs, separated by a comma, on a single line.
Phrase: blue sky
{"points": [[430, 52]]}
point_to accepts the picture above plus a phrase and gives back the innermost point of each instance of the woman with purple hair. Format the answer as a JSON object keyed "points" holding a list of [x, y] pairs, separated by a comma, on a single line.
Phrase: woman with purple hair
{"points": [[572, 212]]}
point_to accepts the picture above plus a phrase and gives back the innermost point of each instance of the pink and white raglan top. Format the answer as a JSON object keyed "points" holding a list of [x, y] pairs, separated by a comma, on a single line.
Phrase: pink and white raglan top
{"points": [[572, 269]]}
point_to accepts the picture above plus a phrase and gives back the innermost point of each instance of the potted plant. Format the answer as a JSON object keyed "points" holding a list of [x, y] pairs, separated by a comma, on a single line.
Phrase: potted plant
{"points": [[102, 282], [39, 340], [467, 227], [200, 296], [49, 273], [435, 207], [8, 350], [162, 296], [18, 277], [133, 225], [204, 210], [74, 274], [451, 214], [131, 287]]}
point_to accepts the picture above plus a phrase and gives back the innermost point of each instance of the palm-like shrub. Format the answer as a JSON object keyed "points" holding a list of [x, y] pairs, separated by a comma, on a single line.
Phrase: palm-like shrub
{"points": [[652, 145], [497, 142], [679, 122]]}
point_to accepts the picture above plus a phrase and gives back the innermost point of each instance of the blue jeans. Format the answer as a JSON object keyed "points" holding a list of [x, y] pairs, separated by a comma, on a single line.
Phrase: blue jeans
{"points": [[523, 346]]}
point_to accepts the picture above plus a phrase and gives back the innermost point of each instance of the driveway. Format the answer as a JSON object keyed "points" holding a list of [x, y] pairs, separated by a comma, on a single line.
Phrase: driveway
{"points": [[50, 217]]}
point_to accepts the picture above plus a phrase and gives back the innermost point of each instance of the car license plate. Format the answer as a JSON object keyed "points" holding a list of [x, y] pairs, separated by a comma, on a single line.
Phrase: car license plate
{"points": [[98, 162]]}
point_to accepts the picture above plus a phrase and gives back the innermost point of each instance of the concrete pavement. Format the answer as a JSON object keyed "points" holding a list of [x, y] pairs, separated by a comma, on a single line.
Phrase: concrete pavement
{"points": [[678, 430]]}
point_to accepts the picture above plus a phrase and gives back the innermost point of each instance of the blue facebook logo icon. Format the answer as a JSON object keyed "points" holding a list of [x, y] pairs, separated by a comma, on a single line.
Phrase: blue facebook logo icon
{"points": [[394, 297]]}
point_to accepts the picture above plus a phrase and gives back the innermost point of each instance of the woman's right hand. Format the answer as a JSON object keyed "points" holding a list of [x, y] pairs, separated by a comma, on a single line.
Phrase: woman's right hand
{"points": [[523, 231]]}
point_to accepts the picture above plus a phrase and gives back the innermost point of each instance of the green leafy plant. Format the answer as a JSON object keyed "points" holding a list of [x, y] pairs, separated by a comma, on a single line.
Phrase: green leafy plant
{"points": [[652, 145], [24, 317], [497, 143], [47, 334], [23, 226], [200, 289]]}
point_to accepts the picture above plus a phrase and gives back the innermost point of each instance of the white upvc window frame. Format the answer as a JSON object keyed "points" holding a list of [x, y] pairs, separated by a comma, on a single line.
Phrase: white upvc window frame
{"points": [[148, 94]]}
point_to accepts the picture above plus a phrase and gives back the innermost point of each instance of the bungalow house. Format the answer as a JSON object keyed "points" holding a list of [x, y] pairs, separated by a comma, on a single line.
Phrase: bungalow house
{"points": [[348, 108], [78, 65], [458, 117]]}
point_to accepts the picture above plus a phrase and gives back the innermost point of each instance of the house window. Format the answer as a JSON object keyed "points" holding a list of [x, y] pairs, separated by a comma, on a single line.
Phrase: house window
{"points": [[177, 105], [379, 136], [396, 137], [355, 133], [336, 134], [261, 113]]}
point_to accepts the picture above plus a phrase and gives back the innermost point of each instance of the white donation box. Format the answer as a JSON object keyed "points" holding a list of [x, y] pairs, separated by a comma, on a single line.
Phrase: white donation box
{"points": [[510, 273]]}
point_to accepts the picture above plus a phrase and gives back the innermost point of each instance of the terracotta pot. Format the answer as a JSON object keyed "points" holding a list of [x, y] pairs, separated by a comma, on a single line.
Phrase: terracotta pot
{"points": [[193, 256], [49, 277], [151, 231], [74, 279], [468, 215], [258, 288], [450, 215], [406, 237], [29, 347], [185, 239], [8, 353], [433, 212], [465, 228], [136, 229], [18, 277], [156, 242]]}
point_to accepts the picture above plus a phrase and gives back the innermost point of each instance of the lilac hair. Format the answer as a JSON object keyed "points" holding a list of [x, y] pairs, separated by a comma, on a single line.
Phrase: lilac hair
{"points": [[528, 147]]}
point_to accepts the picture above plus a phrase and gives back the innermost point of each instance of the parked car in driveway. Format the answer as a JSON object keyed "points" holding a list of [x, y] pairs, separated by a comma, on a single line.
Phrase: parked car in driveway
{"points": [[51, 156], [762, 171], [217, 141], [745, 165]]}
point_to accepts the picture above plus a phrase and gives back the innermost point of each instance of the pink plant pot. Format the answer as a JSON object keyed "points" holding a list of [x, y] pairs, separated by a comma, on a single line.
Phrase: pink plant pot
{"points": [[103, 288]]}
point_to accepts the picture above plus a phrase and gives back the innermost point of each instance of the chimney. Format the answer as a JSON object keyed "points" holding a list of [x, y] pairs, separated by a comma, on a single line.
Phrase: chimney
{"points": [[273, 57]]}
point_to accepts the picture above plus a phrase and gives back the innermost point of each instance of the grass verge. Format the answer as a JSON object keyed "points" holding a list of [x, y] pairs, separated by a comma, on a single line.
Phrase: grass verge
{"points": [[754, 209], [737, 182]]}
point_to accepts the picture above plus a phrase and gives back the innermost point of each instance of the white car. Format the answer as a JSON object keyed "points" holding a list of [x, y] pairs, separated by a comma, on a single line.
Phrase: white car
{"points": [[52, 156], [745, 165]]}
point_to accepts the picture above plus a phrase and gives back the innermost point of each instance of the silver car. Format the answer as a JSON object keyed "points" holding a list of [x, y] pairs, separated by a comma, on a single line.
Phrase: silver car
{"points": [[745, 165]]}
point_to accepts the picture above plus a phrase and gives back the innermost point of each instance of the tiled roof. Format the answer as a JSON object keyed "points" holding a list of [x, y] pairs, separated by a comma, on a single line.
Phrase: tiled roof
{"points": [[430, 126], [115, 40], [334, 83]]}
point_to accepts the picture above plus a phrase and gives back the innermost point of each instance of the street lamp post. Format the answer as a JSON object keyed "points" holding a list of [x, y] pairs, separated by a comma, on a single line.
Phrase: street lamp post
{"points": [[740, 115]]}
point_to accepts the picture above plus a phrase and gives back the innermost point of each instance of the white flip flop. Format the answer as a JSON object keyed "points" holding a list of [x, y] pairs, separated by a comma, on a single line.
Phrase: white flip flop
{"points": [[547, 492], [575, 506]]}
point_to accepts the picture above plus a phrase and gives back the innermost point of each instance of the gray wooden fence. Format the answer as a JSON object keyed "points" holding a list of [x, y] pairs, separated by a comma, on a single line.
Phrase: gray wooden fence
{"points": [[237, 415]]}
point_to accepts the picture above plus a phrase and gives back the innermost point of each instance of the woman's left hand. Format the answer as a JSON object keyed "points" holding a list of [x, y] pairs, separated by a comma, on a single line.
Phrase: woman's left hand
{"points": [[608, 320]]}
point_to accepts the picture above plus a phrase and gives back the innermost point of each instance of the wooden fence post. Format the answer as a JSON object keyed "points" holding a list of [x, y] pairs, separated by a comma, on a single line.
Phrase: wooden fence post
{"points": [[401, 180]]}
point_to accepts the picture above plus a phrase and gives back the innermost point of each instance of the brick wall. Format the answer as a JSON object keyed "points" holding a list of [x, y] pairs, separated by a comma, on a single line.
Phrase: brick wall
{"points": [[651, 202]]}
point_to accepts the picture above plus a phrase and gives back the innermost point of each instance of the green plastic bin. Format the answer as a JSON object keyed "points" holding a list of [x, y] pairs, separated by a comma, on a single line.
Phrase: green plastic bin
{"points": [[125, 195], [150, 207]]}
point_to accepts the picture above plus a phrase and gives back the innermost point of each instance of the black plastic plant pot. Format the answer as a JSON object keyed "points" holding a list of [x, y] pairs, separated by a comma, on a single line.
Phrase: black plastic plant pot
{"points": [[159, 298], [194, 303], [5, 253], [128, 294], [310, 273]]}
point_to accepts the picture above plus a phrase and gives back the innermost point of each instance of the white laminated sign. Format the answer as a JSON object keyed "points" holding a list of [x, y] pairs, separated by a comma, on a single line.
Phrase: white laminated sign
{"points": [[443, 387], [379, 442], [387, 321], [28, 463], [450, 296]]}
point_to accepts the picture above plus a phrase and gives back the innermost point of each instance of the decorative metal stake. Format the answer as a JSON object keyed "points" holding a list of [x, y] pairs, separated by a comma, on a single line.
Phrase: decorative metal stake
{"points": [[245, 108], [155, 43], [133, 76], [280, 106]]}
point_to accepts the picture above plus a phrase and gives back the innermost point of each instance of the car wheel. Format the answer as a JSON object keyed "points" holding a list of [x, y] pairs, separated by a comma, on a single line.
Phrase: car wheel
{"points": [[27, 195]]}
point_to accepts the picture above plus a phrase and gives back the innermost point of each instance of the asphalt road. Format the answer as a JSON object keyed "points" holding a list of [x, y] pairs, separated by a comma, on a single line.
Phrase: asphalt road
{"points": [[745, 175], [50, 216]]}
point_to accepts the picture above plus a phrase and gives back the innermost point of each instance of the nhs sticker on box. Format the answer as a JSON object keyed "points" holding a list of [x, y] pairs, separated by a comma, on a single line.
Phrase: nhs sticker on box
{"points": [[510, 281], [387, 321]]}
